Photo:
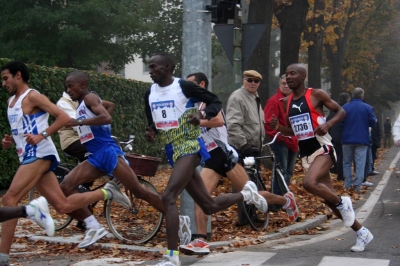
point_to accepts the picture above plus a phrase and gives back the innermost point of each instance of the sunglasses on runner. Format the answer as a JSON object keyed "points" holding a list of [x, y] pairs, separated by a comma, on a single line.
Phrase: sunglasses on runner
{"points": [[249, 80]]}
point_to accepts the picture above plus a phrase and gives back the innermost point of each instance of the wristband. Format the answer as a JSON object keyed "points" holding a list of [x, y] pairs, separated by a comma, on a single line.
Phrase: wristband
{"points": [[45, 135], [80, 121]]}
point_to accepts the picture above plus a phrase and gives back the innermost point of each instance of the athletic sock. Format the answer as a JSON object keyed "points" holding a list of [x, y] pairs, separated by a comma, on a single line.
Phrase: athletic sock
{"points": [[287, 203], [362, 231], [107, 194], [29, 210], [91, 222]]}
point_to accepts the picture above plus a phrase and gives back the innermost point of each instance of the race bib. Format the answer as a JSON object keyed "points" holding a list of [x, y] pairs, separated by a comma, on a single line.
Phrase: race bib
{"points": [[208, 140], [302, 126], [165, 114], [85, 133]]}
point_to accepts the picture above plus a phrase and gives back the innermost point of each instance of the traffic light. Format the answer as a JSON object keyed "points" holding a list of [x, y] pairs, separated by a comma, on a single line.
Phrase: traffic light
{"points": [[222, 10]]}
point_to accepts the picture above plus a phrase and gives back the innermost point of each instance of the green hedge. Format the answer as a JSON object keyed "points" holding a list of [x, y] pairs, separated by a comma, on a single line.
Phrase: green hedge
{"points": [[128, 117]]}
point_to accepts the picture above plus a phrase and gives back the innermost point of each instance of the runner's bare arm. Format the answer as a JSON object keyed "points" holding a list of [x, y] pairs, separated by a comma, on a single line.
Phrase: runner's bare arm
{"points": [[323, 99], [217, 121], [110, 106], [37, 101], [93, 102]]}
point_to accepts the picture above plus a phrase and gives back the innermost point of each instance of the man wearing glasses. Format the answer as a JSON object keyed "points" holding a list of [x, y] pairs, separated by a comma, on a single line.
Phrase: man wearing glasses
{"points": [[245, 116]]}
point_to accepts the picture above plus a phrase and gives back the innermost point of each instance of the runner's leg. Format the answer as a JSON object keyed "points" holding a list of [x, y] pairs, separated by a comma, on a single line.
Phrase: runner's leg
{"points": [[81, 174], [210, 179], [8, 213], [25, 179], [318, 182], [181, 175], [129, 179], [238, 177]]}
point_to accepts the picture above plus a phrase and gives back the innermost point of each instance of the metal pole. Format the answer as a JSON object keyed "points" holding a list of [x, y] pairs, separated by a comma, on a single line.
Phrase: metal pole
{"points": [[196, 57], [237, 49], [196, 43]]}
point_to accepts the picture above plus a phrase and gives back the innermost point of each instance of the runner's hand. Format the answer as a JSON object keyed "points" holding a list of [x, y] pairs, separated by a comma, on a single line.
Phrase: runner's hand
{"points": [[274, 123], [195, 118], [149, 135], [7, 141], [398, 143], [33, 139], [321, 130]]}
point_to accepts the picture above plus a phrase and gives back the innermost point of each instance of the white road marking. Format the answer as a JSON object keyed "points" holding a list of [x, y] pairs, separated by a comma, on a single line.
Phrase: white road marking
{"points": [[236, 258], [107, 261], [334, 261]]}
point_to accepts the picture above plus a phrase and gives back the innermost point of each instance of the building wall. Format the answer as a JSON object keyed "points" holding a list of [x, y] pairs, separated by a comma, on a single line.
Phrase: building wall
{"points": [[137, 70]]}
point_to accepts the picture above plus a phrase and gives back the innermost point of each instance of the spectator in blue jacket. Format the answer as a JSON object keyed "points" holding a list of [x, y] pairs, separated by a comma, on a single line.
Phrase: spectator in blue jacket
{"points": [[355, 138]]}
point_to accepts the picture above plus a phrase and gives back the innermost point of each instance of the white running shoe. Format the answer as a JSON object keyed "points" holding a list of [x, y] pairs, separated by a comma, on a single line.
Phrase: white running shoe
{"points": [[42, 215], [91, 236], [170, 260], [367, 184], [184, 233], [117, 195], [251, 196], [362, 241], [347, 212]]}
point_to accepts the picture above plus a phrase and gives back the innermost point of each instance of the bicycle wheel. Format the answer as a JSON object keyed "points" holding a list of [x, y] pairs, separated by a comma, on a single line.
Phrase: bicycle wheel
{"points": [[60, 220], [257, 219], [137, 225]]}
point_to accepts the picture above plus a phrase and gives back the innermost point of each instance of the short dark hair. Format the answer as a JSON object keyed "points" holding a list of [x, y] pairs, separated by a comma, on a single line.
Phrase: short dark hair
{"points": [[199, 77], [343, 98], [14, 66], [167, 59], [79, 76]]}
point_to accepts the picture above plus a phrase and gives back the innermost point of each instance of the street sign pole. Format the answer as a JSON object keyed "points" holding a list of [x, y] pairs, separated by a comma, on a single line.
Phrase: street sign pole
{"points": [[237, 49]]}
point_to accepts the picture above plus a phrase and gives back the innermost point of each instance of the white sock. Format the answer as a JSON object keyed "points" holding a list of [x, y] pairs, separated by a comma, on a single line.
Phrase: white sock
{"points": [[246, 195], [30, 210], [362, 231], [287, 203], [91, 222]]}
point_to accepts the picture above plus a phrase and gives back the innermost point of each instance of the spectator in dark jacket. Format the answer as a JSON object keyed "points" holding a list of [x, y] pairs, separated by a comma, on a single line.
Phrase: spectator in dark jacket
{"points": [[336, 134]]}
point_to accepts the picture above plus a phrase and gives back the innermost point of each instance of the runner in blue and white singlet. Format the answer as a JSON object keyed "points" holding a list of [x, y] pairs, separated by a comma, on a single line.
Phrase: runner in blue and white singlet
{"points": [[22, 124]]}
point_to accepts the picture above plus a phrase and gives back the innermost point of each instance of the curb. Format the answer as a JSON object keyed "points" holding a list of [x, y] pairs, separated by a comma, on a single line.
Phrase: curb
{"points": [[283, 232]]}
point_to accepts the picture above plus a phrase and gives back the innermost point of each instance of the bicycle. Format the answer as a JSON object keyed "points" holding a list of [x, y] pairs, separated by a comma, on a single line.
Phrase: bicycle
{"points": [[257, 219], [137, 225]]}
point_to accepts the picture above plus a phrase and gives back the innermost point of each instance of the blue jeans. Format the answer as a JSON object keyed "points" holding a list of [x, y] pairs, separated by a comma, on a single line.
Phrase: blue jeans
{"points": [[359, 154], [286, 158]]}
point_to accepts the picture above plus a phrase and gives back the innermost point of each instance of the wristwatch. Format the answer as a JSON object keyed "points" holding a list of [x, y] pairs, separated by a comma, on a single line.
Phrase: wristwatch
{"points": [[203, 114], [45, 135], [80, 121]]}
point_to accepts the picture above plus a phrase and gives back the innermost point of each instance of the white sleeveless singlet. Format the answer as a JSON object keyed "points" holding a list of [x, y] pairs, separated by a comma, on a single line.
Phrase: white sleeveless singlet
{"points": [[29, 124]]}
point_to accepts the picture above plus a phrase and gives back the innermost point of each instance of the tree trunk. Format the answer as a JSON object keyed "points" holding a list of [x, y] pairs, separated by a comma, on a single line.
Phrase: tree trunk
{"points": [[261, 12], [315, 49], [336, 56], [292, 20]]}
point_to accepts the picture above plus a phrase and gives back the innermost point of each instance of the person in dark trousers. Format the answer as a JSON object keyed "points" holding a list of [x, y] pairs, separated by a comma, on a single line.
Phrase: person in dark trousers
{"points": [[376, 143], [387, 130], [336, 134]]}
